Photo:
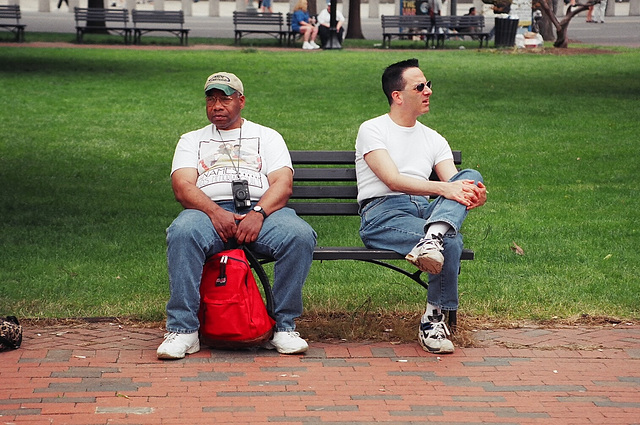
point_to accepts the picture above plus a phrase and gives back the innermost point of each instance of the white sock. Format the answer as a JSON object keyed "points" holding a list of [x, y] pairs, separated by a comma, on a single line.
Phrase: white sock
{"points": [[439, 227], [431, 310]]}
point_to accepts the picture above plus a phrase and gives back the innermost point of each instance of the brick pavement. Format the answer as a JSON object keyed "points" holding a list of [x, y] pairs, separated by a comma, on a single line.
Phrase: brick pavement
{"points": [[107, 373]]}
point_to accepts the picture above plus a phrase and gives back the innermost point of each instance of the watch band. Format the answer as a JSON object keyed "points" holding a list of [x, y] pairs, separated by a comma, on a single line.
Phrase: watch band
{"points": [[260, 210]]}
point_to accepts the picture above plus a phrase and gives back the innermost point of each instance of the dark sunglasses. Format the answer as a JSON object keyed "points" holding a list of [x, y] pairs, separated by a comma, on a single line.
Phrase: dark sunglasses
{"points": [[420, 87]]}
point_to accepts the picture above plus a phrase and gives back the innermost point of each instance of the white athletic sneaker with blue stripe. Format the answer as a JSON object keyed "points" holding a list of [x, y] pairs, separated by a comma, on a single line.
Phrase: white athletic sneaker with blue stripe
{"points": [[427, 255], [433, 336]]}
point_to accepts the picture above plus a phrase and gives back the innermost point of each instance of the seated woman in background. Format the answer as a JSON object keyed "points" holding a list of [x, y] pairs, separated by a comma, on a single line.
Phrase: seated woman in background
{"points": [[300, 22]]}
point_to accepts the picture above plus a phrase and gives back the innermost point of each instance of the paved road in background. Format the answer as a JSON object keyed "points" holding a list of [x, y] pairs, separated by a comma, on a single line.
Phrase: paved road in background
{"points": [[620, 30]]}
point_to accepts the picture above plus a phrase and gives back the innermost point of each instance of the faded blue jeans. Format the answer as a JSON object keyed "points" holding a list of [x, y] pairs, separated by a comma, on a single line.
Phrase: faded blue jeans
{"points": [[398, 222], [191, 239]]}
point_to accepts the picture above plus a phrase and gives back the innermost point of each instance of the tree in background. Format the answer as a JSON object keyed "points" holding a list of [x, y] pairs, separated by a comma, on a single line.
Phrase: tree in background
{"points": [[354, 26], [562, 27]]}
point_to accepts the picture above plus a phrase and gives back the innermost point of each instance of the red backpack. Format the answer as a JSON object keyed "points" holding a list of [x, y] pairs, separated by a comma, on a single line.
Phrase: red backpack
{"points": [[232, 312]]}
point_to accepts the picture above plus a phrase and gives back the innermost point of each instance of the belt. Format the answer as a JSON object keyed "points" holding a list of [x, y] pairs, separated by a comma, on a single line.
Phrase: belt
{"points": [[366, 201]]}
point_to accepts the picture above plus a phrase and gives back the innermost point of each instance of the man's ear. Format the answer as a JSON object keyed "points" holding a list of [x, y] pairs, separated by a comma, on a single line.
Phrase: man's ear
{"points": [[396, 97]]}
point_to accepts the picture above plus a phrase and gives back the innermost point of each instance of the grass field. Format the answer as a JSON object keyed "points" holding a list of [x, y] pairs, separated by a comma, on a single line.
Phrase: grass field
{"points": [[88, 136]]}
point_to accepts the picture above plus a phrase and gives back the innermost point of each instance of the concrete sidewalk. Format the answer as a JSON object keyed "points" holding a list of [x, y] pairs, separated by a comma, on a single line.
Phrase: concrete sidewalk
{"points": [[107, 373]]}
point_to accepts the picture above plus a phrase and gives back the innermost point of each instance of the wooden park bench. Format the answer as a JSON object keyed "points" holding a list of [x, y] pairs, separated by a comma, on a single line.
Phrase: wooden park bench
{"points": [[404, 27], [145, 21], [10, 20], [291, 34], [459, 26], [259, 23], [420, 27], [96, 20], [324, 184]]}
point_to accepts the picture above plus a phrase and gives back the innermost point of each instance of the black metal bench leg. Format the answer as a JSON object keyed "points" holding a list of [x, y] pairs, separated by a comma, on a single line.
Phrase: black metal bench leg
{"points": [[451, 319]]}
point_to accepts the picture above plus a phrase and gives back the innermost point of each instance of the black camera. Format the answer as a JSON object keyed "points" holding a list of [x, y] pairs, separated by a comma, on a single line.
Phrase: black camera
{"points": [[241, 197]]}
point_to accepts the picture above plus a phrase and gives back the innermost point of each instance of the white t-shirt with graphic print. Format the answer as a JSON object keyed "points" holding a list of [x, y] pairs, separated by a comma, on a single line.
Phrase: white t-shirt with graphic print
{"points": [[248, 153]]}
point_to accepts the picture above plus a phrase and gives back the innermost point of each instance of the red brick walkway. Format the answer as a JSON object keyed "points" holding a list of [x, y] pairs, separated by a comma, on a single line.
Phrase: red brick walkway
{"points": [[105, 373]]}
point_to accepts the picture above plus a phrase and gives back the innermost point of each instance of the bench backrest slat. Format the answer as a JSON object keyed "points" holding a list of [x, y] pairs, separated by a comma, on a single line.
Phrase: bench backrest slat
{"points": [[324, 208], [11, 11], [424, 21], [257, 19], [106, 15], [460, 21], [157, 16], [324, 182], [322, 192]]}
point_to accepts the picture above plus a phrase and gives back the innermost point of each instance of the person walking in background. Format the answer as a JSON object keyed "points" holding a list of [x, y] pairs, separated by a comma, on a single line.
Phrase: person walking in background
{"points": [[598, 11], [265, 6], [590, 14]]}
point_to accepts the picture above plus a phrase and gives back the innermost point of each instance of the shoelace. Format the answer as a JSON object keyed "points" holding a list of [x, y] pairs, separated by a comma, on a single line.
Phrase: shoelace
{"points": [[440, 330], [436, 242], [170, 336]]}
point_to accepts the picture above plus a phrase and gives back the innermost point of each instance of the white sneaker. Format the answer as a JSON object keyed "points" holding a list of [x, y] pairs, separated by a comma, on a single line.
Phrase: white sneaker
{"points": [[314, 45], [427, 255], [433, 336], [176, 345], [287, 343], [307, 46]]}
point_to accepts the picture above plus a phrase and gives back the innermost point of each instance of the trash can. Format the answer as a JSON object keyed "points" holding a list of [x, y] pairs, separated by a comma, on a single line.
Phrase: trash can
{"points": [[506, 32]]}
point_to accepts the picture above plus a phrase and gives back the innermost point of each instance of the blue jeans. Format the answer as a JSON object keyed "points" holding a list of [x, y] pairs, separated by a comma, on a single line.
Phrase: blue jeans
{"points": [[191, 239], [398, 222]]}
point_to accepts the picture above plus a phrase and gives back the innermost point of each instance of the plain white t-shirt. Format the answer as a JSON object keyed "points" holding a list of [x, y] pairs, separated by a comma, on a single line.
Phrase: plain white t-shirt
{"points": [[415, 151]]}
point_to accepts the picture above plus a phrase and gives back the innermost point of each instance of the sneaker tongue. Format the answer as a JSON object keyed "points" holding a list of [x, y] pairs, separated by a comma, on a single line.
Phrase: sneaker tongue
{"points": [[436, 318]]}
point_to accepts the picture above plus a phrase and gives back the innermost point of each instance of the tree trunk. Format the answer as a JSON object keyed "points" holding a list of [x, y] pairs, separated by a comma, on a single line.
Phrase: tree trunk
{"points": [[354, 27], [312, 8], [97, 4], [546, 29], [562, 27]]}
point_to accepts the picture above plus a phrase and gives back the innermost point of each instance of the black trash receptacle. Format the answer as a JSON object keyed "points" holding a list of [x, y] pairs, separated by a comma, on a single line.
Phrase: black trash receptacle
{"points": [[506, 32]]}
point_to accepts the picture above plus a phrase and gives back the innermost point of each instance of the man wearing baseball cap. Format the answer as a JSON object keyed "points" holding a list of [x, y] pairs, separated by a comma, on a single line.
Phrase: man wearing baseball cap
{"points": [[208, 166], [324, 25]]}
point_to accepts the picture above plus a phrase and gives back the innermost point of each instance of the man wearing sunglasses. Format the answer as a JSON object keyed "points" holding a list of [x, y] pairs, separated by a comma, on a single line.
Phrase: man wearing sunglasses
{"points": [[395, 155], [233, 177]]}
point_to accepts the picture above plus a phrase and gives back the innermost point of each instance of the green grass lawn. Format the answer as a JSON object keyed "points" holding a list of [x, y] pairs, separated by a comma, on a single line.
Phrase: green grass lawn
{"points": [[88, 136]]}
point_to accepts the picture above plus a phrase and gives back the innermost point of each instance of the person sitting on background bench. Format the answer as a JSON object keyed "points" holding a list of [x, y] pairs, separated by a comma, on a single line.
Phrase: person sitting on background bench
{"points": [[324, 24], [207, 166], [302, 23], [472, 12], [395, 156]]}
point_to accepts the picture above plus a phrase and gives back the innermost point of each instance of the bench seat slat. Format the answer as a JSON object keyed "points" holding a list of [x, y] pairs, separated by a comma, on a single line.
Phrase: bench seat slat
{"points": [[330, 253], [324, 208]]}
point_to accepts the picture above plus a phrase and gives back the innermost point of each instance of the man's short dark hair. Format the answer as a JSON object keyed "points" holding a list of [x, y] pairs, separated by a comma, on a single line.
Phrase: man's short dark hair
{"points": [[392, 79]]}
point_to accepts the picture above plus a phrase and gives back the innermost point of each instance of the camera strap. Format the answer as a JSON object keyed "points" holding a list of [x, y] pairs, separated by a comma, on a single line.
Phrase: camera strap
{"points": [[236, 168]]}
